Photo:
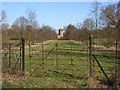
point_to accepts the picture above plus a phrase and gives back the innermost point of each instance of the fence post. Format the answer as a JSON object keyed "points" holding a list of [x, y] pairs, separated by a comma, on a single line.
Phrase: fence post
{"points": [[20, 55], [43, 57], [23, 54], [56, 57], [30, 57], [116, 60], [117, 72], [90, 57], [71, 59], [10, 57]]}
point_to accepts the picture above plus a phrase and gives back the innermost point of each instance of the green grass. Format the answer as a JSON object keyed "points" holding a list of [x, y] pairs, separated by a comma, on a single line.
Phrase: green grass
{"points": [[7, 84], [63, 57], [104, 42], [72, 70]]}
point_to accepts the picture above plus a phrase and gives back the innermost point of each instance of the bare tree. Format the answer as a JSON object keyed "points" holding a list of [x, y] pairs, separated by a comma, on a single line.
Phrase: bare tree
{"points": [[109, 15], [31, 16], [5, 26], [3, 16], [95, 13], [88, 24], [3, 19], [21, 24], [118, 20]]}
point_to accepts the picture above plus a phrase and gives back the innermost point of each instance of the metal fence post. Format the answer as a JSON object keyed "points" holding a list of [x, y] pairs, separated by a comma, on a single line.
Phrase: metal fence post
{"points": [[90, 57], [23, 54]]}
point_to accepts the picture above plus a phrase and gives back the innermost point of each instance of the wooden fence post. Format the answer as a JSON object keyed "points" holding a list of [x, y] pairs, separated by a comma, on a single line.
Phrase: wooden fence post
{"points": [[43, 56], [117, 74], [90, 57], [118, 62], [71, 58], [30, 57], [56, 56], [10, 57]]}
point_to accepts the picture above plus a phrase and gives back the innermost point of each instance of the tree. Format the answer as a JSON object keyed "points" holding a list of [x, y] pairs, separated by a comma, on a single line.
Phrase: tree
{"points": [[5, 26], [118, 20], [48, 33], [69, 30], [3, 19], [88, 24], [79, 25], [109, 15], [118, 13], [118, 41], [21, 24], [29, 33], [31, 16], [95, 13], [3, 16]]}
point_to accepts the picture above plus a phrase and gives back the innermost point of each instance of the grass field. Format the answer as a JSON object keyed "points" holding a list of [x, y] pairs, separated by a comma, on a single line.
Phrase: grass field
{"points": [[66, 66]]}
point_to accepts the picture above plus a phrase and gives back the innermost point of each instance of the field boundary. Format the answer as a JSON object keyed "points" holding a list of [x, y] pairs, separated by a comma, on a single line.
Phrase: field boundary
{"points": [[66, 57], [97, 46]]}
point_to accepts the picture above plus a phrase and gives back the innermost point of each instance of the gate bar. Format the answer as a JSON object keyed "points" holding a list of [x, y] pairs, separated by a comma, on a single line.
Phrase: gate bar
{"points": [[101, 67]]}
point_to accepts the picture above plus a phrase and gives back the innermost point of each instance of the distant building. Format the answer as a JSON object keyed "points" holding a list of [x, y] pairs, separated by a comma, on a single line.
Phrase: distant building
{"points": [[60, 34]]}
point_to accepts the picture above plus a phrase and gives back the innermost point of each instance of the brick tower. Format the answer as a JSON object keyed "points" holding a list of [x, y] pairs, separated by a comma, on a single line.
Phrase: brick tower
{"points": [[60, 34]]}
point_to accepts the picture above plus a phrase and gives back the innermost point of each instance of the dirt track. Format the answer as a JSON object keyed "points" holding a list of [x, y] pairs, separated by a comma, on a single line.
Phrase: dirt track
{"points": [[96, 46], [37, 44]]}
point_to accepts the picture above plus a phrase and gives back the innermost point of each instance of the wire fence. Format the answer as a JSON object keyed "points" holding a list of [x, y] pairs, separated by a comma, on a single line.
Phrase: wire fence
{"points": [[105, 62], [12, 57], [67, 58]]}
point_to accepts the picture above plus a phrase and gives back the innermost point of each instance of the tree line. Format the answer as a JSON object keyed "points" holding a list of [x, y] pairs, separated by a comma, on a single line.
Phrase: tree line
{"points": [[27, 28], [104, 25]]}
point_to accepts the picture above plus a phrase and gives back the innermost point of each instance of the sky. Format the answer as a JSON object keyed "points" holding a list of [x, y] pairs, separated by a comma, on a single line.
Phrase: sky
{"points": [[55, 14]]}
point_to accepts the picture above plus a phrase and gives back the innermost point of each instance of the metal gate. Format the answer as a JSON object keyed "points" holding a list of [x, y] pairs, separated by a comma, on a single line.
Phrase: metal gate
{"points": [[65, 57], [74, 59]]}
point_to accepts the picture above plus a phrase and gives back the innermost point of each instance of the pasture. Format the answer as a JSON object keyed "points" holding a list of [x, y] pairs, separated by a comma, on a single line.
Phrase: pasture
{"points": [[63, 64]]}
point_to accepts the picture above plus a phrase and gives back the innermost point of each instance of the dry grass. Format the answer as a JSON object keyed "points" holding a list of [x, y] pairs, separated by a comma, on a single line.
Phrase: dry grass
{"points": [[93, 83]]}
